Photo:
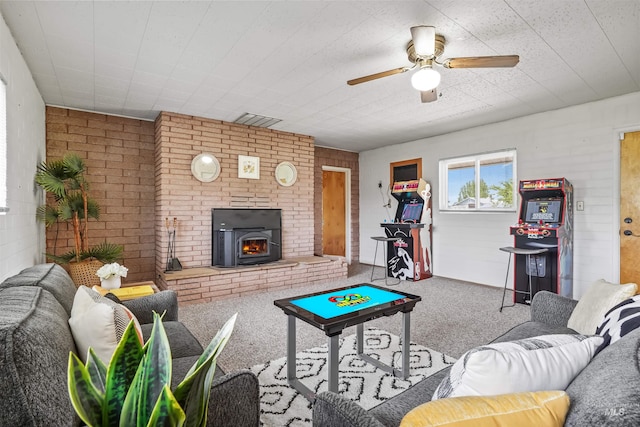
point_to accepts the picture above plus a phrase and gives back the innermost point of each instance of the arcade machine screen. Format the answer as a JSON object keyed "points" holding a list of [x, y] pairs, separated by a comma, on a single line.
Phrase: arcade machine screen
{"points": [[411, 212], [545, 210], [333, 304]]}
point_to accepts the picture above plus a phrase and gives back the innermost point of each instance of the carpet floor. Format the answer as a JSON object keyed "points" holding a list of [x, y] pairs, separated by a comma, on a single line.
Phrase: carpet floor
{"points": [[453, 317], [281, 405]]}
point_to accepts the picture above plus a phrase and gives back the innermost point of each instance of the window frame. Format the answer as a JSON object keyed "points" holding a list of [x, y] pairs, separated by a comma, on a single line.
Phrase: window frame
{"points": [[4, 149], [476, 160]]}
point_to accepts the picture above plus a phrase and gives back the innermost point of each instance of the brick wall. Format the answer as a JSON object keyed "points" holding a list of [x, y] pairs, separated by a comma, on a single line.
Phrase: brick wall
{"points": [[179, 138], [342, 159], [119, 154], [140, 174], [207, 284]]}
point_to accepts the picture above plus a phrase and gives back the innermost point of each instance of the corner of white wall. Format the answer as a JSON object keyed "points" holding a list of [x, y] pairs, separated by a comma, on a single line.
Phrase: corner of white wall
{"points": [[22, 239]]}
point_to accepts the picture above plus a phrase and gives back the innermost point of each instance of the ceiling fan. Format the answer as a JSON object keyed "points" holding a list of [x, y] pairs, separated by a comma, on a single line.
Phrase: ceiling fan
{"points": [[424, 50]]}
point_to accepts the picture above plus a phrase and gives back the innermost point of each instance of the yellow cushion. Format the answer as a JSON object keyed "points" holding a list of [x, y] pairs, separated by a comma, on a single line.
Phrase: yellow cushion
{"points": [[541, 408]]}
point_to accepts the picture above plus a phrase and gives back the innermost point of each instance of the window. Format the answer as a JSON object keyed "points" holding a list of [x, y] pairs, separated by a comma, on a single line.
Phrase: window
{"points": [[3, 148], [481, 182]]}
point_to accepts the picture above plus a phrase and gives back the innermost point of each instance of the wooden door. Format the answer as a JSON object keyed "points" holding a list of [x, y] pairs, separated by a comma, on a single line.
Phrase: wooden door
{"points": [[630, 208], [334, 228]]}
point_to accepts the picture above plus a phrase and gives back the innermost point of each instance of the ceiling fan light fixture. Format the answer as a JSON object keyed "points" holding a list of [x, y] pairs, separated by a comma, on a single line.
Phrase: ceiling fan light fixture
{"points": [[424, 40], [425, 79]]}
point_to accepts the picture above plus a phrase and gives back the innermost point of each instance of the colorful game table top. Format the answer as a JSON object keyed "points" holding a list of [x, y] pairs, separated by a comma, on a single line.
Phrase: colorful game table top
{"points": [[337, 309]]}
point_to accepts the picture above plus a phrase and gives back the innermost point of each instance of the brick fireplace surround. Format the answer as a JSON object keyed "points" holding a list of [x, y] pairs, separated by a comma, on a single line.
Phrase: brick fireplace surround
{"points": [[141, 174]]}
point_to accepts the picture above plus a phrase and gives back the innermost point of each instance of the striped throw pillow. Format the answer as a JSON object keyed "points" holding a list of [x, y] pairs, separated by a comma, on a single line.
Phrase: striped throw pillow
{"points": [[619, 321]]}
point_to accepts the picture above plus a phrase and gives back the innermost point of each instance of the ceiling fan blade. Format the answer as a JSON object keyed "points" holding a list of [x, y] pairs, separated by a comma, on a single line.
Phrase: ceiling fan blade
{"points": [[424, 40], [482, 61], [429, 95], [377, 76]]}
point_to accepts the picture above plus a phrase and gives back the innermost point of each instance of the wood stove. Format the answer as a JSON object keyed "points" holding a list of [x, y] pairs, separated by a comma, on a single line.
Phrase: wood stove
{"points": [[245, 236]]}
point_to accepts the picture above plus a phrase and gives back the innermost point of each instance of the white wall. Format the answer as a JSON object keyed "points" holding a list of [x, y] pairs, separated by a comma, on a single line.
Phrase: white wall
{"points": [[579, 143], [22, 239]]}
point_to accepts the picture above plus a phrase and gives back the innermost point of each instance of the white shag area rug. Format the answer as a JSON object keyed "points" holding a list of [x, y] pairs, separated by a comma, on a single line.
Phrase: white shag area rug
{"points": [[281, 405]]}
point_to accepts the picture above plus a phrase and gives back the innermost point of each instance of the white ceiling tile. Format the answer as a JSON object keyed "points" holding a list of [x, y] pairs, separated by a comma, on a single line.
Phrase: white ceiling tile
{"points": [[105, 57], [151, 80], [68, 53], [155, 64], [70, 20], [120, 26], [291, 60], [621, 25]]}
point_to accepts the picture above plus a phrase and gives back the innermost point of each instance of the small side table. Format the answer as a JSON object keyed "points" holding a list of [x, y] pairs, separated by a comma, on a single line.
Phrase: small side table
{"points": [[129, 291], [519, 251]]}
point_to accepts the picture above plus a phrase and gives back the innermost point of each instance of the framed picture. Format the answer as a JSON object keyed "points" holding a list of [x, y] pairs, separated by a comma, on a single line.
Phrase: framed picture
{"points": [[248, 167], [406, 170]]}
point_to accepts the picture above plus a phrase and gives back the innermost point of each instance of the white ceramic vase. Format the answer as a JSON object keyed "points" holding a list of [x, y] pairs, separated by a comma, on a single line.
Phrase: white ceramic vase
{"points": [[112, 282]]}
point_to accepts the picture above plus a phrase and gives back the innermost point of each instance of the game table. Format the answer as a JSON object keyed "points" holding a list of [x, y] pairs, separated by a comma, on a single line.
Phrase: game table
{"points": [[334, 310]]}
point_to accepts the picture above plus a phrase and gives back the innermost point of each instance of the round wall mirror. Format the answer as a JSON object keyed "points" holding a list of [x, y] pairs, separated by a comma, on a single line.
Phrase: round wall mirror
{"points": [[205, 167], [286, 174]]}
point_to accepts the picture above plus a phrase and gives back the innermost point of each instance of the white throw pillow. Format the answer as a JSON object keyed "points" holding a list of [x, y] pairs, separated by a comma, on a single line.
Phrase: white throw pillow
{"points": [[99, 323], [548, 362], [594, 304]]}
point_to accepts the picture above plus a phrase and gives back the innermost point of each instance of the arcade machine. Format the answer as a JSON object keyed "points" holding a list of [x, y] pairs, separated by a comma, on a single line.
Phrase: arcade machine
{"points": [[545, 221], [409, 257]]}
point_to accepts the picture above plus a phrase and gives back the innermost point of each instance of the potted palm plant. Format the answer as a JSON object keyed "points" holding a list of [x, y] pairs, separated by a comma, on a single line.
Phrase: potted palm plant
{"points": [[70, 203]]}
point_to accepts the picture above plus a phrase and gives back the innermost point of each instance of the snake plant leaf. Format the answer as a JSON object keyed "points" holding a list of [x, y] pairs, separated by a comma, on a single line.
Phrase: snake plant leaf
{"points": [[153, 374], [86, 400], [193, 392], [120, 374], [97, 371], [216, 345], [167, 412]]}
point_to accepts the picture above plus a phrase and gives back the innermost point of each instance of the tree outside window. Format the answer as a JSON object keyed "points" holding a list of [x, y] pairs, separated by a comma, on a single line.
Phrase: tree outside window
{"points": [[479, 182]]}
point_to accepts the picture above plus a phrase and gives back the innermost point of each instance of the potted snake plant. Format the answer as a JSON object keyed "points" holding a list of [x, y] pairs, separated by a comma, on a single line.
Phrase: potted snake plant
{"points": [[135, 388]]}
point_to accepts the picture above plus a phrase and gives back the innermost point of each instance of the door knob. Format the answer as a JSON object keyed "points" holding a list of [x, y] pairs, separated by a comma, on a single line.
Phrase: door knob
{"points": [[628, 220], [628, 232]]}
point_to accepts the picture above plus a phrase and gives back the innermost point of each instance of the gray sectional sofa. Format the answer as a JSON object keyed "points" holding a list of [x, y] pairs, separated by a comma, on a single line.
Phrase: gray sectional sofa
{"points": [[35, 341], [605, 393]]}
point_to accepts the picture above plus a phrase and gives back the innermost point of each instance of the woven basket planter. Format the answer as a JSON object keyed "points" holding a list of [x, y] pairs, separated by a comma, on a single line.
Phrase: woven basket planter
{"points": [[84, 272]]}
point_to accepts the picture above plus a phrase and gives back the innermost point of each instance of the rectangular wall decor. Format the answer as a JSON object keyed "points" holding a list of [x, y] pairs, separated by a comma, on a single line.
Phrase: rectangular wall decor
{"points": [[248, 167]]}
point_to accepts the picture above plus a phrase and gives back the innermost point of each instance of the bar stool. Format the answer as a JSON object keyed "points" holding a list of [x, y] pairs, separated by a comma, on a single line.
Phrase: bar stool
{"points": [[384, 240], [520, 251]]}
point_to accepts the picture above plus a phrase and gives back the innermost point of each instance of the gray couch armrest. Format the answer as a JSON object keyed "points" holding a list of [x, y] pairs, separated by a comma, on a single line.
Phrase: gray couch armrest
{"points": [[332, 410], [551, 308], [235, 400], [160, 302]]}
